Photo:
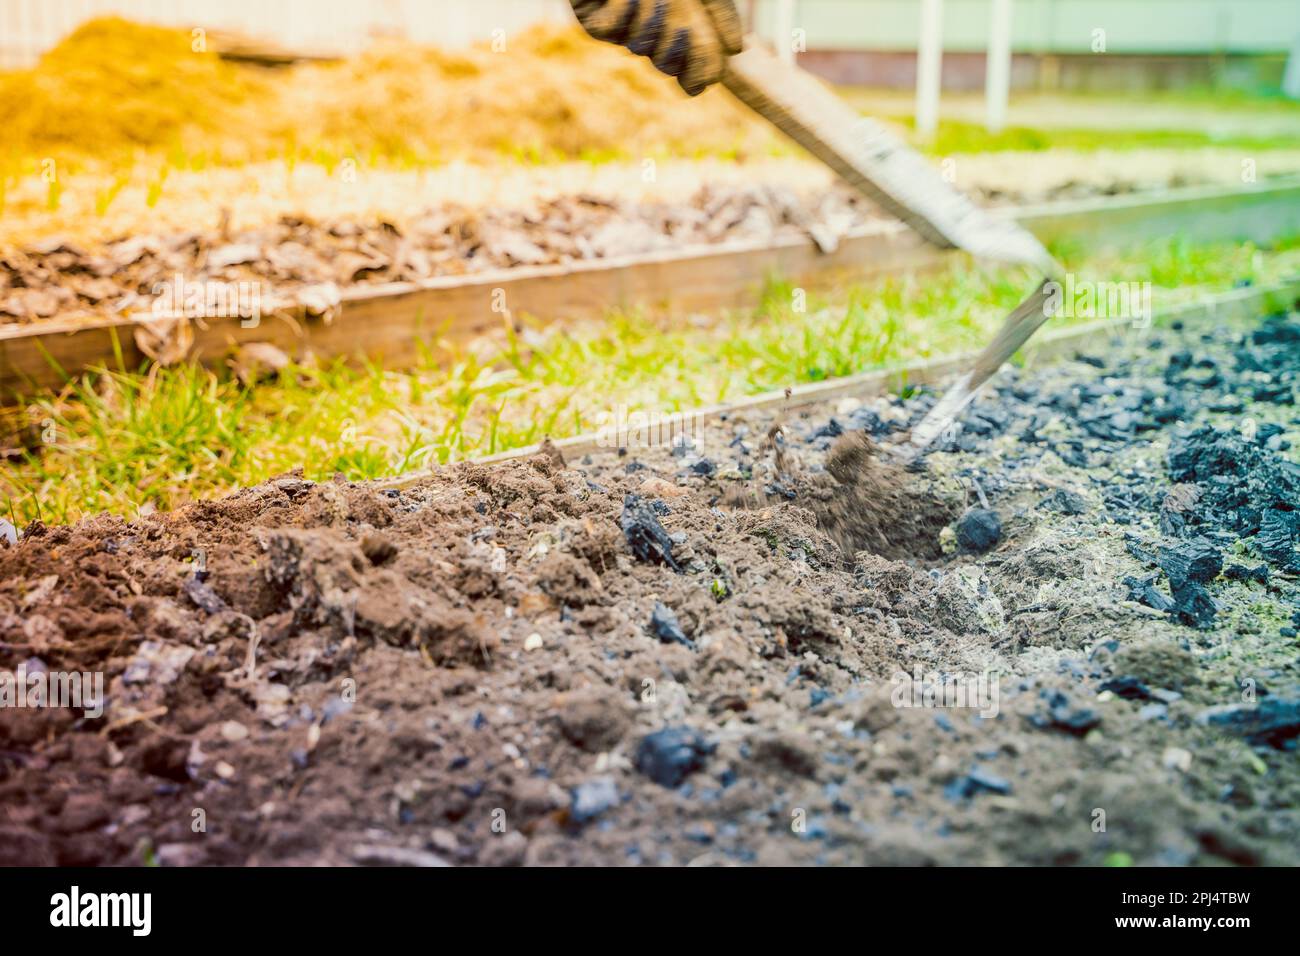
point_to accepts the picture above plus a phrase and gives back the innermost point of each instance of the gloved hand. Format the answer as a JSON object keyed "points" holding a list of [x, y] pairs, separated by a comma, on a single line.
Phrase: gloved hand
{"points": [[688, 39]]}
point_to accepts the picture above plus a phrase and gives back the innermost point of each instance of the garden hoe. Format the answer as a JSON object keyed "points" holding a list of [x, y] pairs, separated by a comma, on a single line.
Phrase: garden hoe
{"points": [[886, 170]]}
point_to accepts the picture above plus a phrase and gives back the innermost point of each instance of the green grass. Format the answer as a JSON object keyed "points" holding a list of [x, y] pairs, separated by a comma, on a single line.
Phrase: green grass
{"points": [[124, 441], [957, 136], [1106, 122]]}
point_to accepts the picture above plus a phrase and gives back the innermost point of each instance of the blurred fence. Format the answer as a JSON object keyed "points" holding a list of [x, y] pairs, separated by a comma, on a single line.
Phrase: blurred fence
{"points": [[29, 27], [1155, 43], [1130, 27]]}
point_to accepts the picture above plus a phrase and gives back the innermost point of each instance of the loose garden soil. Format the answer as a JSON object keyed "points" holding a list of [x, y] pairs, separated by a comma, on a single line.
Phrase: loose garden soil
{"points": [[690, 653]]}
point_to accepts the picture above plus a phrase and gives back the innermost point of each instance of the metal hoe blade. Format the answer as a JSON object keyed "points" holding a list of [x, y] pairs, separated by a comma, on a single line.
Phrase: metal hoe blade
{"points": [[874, 161], [1015, 331]]}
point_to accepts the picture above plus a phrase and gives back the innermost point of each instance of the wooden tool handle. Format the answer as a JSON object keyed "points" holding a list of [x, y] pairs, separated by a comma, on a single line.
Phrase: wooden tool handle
{"points": [[874, 161]]}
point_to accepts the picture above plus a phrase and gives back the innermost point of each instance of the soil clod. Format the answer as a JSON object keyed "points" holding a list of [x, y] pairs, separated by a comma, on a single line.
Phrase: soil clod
{"points": [[978, 530], [665, 625], [203, 596], [1196, 560], [592, 798], [645, 535], [1271, 721], [670, 755]]}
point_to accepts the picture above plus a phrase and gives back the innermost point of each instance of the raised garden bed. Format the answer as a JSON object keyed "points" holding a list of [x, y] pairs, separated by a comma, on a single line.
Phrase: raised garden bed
{"points": [[386, 321], [688, 655]]}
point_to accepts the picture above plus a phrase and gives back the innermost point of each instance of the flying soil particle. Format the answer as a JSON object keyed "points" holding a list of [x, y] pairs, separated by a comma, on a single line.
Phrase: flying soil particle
{"points": [[866, 503], [552, 453]]}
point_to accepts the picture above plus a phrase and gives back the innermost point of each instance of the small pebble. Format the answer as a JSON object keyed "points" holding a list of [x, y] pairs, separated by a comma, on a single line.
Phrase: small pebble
{"points": [[978, 530], [1176, 758], [592, 798]]}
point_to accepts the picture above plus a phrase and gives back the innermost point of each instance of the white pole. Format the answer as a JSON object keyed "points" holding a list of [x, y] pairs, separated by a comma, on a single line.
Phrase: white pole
{"points": [[784, 31], [997, 78], [929, 63], [1291, 79]]}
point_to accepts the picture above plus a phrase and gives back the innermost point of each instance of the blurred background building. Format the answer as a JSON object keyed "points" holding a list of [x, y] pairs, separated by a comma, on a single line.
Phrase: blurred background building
{"points": [[1069, 45], [1055, 44]]}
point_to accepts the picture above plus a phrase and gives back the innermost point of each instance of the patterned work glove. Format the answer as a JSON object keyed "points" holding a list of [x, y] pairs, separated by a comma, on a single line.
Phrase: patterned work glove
{"points": [[688, 39]]}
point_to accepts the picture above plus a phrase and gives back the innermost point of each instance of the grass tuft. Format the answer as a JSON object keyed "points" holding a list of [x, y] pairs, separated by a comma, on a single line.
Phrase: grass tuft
{"points": [[126, 440]]}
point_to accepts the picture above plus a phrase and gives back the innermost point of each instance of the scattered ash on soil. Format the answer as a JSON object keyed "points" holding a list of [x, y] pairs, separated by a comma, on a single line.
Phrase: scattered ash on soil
{"points": [[667, 657]]}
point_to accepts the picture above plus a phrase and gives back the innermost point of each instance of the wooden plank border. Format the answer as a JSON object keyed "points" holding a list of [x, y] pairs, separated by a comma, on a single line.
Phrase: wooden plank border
{"points": [[385, 322], [1049, 346]]}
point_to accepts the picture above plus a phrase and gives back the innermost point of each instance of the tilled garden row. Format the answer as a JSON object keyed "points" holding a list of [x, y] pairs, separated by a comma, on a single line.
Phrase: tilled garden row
{"points": [[1067, 636]]}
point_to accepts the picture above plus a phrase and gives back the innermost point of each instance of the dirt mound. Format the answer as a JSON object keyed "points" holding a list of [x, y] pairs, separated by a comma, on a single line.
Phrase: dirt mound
{"points": [[602, 662], [279, 608], [551, 92], [113, 87]]}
